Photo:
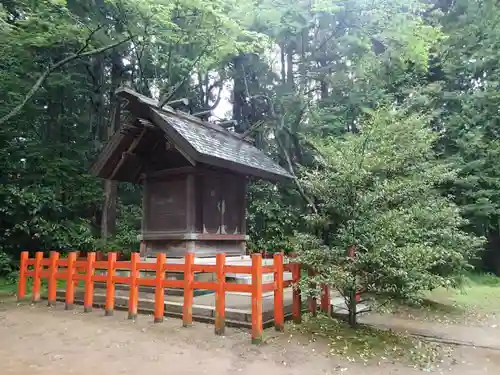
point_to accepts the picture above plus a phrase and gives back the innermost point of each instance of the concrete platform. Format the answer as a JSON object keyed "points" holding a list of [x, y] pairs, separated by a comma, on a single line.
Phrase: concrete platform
{"points": [[238, 305]]}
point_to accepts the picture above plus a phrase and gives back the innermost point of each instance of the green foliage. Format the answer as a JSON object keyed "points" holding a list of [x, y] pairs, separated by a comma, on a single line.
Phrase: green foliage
{"points": [[353, 56], [49, 201], [6, 266], [270, 218], [7, 288], [126, 239], [469, 69], [378, 192]]}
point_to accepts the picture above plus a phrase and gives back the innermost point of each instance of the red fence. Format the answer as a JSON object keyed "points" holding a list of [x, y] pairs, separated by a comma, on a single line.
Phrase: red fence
{"points": [[73, 270]]}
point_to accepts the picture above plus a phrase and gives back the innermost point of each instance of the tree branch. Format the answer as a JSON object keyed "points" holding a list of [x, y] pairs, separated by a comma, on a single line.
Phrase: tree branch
{"points": [[269, 102], [186, 77], [217, 99], [275, 117], [89, 38], [301, 190], [252, 128], [78, 55], [218, 84]]}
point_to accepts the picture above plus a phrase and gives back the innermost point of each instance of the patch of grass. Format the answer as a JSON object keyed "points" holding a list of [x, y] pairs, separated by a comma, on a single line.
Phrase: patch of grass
{"points": [[8, 288], [483, 299], [369, 344], [485, 279], [477, 301], [481, 293]]}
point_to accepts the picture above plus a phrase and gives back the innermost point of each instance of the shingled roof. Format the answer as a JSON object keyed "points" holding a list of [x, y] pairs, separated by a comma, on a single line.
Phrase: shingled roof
{"points": [[199, 141]]}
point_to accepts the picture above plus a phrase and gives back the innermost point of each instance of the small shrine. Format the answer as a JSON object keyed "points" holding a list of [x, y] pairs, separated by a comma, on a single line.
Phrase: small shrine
{"points": [[194, 175]]}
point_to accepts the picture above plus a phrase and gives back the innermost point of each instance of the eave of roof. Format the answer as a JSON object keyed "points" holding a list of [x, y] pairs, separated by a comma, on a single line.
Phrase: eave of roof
{"points": [[199, 141]]}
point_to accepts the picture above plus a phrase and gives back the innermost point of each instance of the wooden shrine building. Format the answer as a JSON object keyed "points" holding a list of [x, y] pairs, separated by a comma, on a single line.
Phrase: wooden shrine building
{"points": [[194, 175]]}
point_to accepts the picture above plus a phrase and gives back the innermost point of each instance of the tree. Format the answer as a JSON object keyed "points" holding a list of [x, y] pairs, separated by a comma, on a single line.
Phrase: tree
{"points": [[45, 150], [378, 192], [467, 64], [331, 64]]}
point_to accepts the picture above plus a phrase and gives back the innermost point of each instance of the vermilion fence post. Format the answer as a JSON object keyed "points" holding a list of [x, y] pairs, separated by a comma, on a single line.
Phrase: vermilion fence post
{"points": [[325, 299], [220, 295], [88, 299], [36, 276], [21, 287], [296, 302], [256, 298], [311, 301], [279, 315], [133, 298], [187, 310], [77, 269], [110, 285], [52, 288], [70, 285], [159, 289]]}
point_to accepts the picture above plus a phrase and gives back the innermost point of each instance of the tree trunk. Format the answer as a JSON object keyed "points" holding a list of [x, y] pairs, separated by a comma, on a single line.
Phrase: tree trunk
{"points": [[239, 95], [324, 89], [289, 68], [283, 62], [352, 308], [302, 44], [108, 220], [98, 132]]}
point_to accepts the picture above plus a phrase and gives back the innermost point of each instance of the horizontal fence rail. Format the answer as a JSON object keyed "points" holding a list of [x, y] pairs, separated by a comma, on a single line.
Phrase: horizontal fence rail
{"points": [[72, 270]]}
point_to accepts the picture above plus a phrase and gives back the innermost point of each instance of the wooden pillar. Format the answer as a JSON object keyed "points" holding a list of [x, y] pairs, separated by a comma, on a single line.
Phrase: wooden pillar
{"points": [[256, 299], [187, 310], [21, 286], [110, 285], [52, 281], [159, 289], [133, 298], [70, 285], [36, 276], [88, 299], [220, 295], [142, 246]]}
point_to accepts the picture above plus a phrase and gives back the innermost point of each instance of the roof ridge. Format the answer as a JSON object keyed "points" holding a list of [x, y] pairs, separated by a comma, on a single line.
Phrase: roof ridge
{"points": [[125, 91]]}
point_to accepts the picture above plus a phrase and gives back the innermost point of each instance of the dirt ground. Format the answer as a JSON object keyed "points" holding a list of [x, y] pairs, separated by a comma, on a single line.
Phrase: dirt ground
{"points": [[38, 340]]}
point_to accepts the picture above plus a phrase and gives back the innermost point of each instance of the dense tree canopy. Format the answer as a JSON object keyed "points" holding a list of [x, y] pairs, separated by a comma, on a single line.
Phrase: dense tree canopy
{"points": [[385, 111]]}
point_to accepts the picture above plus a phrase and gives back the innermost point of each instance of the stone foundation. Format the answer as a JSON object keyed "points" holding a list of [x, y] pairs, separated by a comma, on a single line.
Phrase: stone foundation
{"points": [[238, 308]]}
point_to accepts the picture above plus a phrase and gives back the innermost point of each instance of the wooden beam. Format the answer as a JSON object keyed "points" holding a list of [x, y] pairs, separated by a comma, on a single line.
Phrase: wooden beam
{"points": [[191, 160], [147, 124], [131, 148], [202, 113], [168, 172], [228, 123], [175, 103], [182, 145]]}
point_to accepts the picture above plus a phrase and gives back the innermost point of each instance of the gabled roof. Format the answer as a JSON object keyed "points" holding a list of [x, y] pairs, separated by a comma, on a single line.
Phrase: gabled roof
{"points": [[199, 141]]}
